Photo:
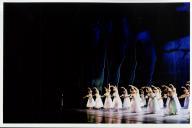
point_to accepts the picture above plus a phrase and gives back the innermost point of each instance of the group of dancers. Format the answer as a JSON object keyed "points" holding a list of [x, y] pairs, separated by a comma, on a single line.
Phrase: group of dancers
{"points": [[150, 97]]}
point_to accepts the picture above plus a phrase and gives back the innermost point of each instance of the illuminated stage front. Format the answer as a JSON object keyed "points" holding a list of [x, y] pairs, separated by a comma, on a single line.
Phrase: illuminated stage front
{"points": [[123, 116]]}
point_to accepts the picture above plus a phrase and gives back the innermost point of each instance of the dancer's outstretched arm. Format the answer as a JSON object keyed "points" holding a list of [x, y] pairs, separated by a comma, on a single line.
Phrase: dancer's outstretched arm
{"points": [[85, 96], [121, 95], [182, 96], [103, 95], [109, 86]]}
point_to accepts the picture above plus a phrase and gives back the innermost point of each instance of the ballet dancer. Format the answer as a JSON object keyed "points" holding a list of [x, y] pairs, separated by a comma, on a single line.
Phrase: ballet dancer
{"points": [[135, 101], [90, 101], [143, 99], [98, 101], [186, 95], [117, 103], [173, 105], [165, 95], [157, 92], [108, 104], [153, 105], [126, 99]]}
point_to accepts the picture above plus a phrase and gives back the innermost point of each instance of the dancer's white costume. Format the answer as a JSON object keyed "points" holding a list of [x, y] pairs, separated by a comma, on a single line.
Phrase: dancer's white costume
{"points": [[159, 98], [117, 103], [173, 104], [126, 101], [186, 102], [98, 101], [153, 105], [135, 103], [143, 100], [108, 101], [90, 102]]}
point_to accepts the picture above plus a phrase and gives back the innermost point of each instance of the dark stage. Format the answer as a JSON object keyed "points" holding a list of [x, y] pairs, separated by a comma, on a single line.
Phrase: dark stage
{"points": [[54, 51]]}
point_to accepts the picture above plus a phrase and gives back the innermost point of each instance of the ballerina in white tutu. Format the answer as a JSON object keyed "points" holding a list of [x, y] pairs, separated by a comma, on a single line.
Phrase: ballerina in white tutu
{"points": [[165, 94], [108, 104], [90, 102], [143, 99], [98, 101], [173, 105], [160, 98], [186, 95], [117, 103], [187, 85], [136, 100], [126, 99], [153, 105], [157, 92]]}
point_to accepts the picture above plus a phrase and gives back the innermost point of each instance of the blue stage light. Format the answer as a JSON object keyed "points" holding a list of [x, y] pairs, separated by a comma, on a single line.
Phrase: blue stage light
{"points": [[143, 37]]}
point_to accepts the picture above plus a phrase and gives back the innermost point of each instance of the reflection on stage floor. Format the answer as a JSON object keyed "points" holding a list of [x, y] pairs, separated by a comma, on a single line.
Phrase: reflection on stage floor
{"points": [[124, 116]]}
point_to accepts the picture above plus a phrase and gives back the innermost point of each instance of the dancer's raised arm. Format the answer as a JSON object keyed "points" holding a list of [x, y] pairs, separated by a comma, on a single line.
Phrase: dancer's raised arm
{"points": [[154, 87], [171, 85], [136, 89], [85, 96], [184, 87], [96, 89], [164, 86], [109, 86], [112, 86], [89, 89], [123, 88]]}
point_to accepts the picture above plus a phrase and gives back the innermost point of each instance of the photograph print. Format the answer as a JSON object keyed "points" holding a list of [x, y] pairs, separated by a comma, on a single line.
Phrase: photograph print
{"points": [[90, 63]]}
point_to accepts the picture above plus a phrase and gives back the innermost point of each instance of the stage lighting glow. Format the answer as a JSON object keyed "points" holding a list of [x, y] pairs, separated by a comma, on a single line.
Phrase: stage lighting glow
{"points": [[144, 36]]}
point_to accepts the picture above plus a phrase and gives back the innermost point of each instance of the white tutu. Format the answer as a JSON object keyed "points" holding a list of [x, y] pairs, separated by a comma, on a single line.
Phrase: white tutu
{"points": [[173, 105], [143, 100], [161, 103], [153, 105], [160, 100], [126, 102], [90, 102], [108, 102], [167, 101], [117, 103], [186, 102], [135, 104], [98, 101]]}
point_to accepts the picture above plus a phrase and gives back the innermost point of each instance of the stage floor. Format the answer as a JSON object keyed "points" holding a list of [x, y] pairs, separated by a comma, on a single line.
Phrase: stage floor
{"points": [[124, 116]]}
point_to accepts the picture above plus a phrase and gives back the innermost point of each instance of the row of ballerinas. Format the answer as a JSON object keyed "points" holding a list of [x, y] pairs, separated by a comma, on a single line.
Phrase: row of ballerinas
{"points": [[147, 96]]}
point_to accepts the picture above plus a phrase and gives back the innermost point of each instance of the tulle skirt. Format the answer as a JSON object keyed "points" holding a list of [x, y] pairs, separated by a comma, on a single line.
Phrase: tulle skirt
{"points": [[98, 102], [161, 103], [173, 106], [143, 101], [90, 103], [153, 106], [135, 105], [167, 101], [186, 102], [108, 103], [126, 103], [117, 103]]}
